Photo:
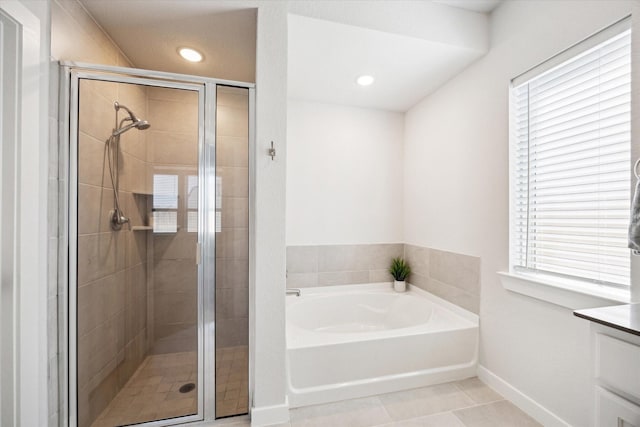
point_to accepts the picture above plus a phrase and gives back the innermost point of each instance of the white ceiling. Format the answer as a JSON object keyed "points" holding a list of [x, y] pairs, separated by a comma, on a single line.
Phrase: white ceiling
{"points": [[325, 58], [149, 33], [483, 6], [410, 47]]}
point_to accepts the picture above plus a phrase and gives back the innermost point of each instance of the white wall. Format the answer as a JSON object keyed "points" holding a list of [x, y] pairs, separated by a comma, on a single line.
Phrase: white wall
{"points": [[344, 175], [456, 198], [267, 265], [24, 398]]}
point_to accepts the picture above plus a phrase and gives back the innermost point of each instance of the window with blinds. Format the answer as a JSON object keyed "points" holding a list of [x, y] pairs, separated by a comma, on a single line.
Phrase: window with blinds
{"points": [[165, 203], [570, 157]]}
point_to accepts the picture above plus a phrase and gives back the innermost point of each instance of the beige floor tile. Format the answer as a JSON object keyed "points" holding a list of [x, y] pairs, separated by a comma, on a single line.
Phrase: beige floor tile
{"points": [[164, 387], [237, 376], [478, 391], [497, 414], [232, 394], [226, 408], [363, 412], [108, 422], [445, 419], [232, 371], [233, 385], [457, 404], [425, 401]]}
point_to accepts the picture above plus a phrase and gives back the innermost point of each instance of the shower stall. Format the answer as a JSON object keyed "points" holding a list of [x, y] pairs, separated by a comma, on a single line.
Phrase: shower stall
{"points": [[157, 219]]}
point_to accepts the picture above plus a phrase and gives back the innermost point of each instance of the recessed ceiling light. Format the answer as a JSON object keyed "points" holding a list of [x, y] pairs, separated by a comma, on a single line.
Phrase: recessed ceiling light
{"points": [[190, 55], [365, 80]]}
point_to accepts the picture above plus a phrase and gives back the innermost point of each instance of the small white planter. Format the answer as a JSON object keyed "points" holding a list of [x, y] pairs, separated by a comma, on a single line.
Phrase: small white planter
{"points": [[399, 286]]}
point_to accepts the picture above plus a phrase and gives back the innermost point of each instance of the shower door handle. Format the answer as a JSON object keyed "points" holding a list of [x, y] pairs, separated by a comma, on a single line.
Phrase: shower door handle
{"points": [[198, 253]]}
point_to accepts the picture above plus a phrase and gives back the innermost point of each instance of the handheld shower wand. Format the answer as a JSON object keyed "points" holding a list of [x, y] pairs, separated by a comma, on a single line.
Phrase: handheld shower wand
{"points": [[118, 218]]}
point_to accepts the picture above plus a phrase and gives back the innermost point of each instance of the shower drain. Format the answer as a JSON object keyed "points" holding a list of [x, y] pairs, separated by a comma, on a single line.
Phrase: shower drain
{"points": [[187, 388]]}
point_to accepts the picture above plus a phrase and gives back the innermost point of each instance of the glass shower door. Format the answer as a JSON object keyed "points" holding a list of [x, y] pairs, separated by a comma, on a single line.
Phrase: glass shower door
{"points": [[139, 316], [232, 251], [157, 314]]}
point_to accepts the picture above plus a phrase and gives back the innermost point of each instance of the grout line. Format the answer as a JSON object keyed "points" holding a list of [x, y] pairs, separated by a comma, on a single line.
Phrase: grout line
{"points": [[384, 408], [458, 418]]}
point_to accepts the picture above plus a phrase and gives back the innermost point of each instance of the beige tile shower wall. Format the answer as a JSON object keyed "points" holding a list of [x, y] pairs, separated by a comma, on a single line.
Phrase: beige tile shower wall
{"points": [[112, 265], [173, 150], [75, 36], [451, 276], [328, 265], [232, 243]]}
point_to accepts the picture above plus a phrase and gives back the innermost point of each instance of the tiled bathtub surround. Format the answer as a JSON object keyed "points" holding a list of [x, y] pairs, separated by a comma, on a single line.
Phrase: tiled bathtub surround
{"points": [[309, 266], [451, 276]]}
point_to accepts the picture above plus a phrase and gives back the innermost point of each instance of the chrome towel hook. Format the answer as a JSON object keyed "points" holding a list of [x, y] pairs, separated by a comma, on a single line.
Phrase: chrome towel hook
{"points": [[635, 169], [272, 151]]}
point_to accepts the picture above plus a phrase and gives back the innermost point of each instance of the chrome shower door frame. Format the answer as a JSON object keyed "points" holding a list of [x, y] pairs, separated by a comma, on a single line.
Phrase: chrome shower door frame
{"points": [[70, 76]]}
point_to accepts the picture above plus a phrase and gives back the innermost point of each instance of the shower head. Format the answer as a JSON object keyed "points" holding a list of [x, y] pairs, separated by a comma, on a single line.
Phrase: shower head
{"points": [[142, 124], [135, 121], [132, 116]]}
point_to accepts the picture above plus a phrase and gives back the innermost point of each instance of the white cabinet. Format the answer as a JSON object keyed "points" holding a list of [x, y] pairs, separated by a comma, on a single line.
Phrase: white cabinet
{"points": [[616, 377], [618, 364], [615, 340], [614, 411]]}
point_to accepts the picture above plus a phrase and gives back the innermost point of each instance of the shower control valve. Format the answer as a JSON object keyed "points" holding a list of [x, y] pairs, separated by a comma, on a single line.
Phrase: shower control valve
{"points": [[117, 220]]}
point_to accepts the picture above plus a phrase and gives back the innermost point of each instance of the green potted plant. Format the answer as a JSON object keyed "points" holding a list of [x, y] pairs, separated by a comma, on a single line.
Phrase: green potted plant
{"points": [[400, 270]]}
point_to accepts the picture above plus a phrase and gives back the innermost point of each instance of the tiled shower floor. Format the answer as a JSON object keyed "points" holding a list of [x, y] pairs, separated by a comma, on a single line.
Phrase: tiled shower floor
{"points": [[153, 393], [232, 389]]}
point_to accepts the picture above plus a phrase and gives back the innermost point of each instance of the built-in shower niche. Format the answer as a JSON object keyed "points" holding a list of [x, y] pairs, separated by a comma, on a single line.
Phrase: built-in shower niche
{"points": [[137, 284]]}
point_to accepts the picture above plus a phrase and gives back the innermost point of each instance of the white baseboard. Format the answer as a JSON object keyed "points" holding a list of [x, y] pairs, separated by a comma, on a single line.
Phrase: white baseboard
{"points": [[270, 415], [521, 400]]}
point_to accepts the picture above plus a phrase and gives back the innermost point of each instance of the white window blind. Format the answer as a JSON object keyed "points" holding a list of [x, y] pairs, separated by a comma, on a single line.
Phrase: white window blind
{"points": [[571, 166], [192, 203], [165, 191], [165, 203]]}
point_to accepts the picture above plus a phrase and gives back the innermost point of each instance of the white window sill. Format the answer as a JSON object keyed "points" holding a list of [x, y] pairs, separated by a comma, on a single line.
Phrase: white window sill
{"points": [[571, 294]]}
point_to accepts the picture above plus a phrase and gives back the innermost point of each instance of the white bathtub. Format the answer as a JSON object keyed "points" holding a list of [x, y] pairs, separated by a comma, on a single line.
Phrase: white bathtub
{"points": [[360, 340]]}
